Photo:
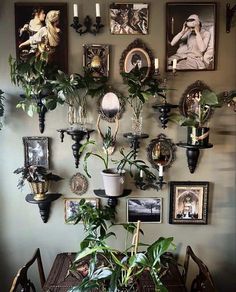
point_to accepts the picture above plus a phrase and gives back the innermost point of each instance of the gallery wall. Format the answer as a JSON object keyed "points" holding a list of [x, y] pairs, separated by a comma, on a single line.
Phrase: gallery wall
{"points": [[21, 227]]}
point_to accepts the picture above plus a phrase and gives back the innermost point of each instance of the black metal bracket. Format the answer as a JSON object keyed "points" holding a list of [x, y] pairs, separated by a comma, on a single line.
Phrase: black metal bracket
{"points": [[164, 110], [44, 205], [89, 26], [229, 16], [134, 140], [144, 184], [111, 201]]}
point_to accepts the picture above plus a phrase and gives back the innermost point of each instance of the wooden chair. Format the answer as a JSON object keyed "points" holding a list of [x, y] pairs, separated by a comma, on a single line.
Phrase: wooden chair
{"points": [[21, 279], [203, 282]]}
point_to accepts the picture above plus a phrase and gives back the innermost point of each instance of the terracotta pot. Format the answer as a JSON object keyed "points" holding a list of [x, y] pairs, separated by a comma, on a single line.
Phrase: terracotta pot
{"points": [[113, 182], [39, 189], [198, 136]]}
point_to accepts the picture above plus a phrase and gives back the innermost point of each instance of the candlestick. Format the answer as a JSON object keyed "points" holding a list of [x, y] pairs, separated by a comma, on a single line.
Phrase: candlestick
{"points": [[160, 169], [174, 64], [75, 8], [156, 63], [98, 10]]}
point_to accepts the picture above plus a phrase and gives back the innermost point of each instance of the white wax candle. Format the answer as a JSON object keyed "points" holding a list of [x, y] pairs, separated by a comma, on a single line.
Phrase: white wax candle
{"points": [[141, 173], [174, 64], [75, 6], [98, 10], [156, 63], [160, 170]]}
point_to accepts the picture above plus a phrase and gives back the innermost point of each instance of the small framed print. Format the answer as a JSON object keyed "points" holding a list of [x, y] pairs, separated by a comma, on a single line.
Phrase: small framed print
{"points": [[131, 18], [188, 202], [96, 59], [190, 36], [71, 205], [36, 151], [147, 210], [78, 184]]}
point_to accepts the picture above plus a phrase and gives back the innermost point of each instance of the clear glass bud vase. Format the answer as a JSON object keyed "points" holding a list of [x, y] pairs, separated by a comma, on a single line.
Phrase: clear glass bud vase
{"points": [[137, 123]]}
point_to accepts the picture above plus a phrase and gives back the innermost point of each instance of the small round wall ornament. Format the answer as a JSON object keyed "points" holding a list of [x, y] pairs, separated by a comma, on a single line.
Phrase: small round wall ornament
{"points": [[78, 184]]}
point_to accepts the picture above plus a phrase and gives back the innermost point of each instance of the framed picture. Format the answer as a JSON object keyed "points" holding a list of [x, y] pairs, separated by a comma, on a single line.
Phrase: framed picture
{"points": [[42, 27], [186, 21], [96, 58], [131, 18], [78, 184], [71, 207], [137, 54], [188, 202], [147, 210], [36, 151]]}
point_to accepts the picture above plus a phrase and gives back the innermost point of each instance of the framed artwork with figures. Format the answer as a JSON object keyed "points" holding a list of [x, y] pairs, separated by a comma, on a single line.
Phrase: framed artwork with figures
{"points": [[42, 27]]}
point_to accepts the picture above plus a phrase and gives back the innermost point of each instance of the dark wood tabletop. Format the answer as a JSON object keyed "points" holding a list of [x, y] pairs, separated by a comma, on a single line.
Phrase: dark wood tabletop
{"points": [[60, 280]]}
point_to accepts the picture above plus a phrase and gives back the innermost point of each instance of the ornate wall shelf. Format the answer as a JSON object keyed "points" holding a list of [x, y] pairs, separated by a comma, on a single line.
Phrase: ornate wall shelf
{"points": [[44, 205], [192, 152], [135, 139], [164, 109], [112, 200]]}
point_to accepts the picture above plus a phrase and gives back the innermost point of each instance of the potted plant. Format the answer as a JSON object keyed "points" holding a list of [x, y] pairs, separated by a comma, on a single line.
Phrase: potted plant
{"points": [[114, 178], [110, 269], [34, 75], [38, 177], [1, 106]]}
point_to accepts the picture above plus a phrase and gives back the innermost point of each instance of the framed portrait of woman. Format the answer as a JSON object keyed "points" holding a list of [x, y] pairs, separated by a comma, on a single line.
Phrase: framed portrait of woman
{"points": [[190, 36], [42, 27]]}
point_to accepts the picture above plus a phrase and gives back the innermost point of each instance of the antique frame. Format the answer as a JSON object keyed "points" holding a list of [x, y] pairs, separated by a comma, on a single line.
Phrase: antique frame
{"points": [[137, 210], [36, 151], [137, 47], [96, 59], [166, 153], [188, 202], [115, 103], [129, 18], [78, 184], [189, 102], [25, 27], [177, 18], [70, 207]]}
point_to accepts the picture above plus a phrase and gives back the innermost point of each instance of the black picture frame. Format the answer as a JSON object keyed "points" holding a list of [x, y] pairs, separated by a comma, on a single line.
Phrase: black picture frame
{"points": [[129, 18], [36, 151], [24, 13], [185, 15], [188, 202]]}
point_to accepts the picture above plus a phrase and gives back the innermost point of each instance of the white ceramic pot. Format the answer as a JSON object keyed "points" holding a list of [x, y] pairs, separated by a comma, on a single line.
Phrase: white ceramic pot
{"points": [[113, 182]]}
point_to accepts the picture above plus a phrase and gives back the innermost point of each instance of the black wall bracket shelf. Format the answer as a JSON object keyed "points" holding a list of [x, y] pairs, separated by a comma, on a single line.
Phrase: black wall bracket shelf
{"points": [[112, 201]]}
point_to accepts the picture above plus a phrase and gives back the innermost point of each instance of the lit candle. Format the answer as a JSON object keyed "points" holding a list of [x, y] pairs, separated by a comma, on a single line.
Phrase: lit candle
{"points": [[156, 63], [141, 173], [98, 10], [174, 64], [75, 6], [160, 169]]}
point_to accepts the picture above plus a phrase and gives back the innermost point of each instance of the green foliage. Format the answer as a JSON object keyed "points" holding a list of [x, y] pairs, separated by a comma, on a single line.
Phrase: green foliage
{"points": [[1, 106]]}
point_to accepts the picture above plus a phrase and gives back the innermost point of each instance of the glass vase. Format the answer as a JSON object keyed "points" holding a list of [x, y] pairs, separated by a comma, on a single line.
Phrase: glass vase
{"points": [[77, 117], [137, 123]]}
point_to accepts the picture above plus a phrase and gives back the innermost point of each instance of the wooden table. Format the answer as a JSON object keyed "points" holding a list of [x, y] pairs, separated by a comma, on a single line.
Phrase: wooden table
{"points": [[59, 280]]}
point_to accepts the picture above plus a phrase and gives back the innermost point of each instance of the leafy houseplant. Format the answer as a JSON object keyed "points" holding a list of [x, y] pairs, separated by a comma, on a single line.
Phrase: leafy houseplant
{"points": [[38, 178], [110, 269], [1, 106]]}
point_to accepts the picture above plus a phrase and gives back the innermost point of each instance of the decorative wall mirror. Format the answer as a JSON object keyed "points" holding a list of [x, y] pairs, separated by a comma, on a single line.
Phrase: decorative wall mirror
{"points": [[189, 103], [161, 151], [111, 105]]}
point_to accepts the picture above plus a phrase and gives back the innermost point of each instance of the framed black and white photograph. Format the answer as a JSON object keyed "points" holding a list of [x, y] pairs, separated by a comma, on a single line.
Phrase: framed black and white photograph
{"points": [[71, 207], [96, 59], [147, 210], [190, 36], [129, 18], [42, 27], [137, 54], [188, 202], [36, 150], [78, 184]]}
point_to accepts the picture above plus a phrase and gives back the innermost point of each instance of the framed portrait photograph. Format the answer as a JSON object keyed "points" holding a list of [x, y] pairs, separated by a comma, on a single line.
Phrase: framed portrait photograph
{"points": [[96, 58], [190, 36], [71, 207], [78, 184], [147, 210], [36, 151], [188, 202], [129, 18], [42, 27], [137, 54]]}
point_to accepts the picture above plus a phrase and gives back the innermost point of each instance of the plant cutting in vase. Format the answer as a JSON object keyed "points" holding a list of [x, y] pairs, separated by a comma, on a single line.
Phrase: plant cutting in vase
{"points": [[1, 106], [110, 269]]}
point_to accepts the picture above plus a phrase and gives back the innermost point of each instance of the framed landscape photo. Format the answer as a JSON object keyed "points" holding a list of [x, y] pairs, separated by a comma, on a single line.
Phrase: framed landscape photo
{"points": [[96, 59], [36, 151], [147, 210], [188, 202], [42, 27], [129, 18], [71, 205], [190, 36]]}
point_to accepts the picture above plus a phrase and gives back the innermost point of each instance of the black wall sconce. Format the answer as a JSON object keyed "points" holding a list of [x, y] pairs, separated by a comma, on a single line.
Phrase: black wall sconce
{"points": [[146, 183], [229, 16], [87, 25]]}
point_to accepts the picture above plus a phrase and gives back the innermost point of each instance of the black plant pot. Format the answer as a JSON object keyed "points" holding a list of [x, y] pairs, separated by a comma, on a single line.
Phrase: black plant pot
{"points": [[198, 136]]}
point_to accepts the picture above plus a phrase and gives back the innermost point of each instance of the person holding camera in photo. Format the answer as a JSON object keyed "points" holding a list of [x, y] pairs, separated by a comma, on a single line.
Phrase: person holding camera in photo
{"points": [[194, 42]]}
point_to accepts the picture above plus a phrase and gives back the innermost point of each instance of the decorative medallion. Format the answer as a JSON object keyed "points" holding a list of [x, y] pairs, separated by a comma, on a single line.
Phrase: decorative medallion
{"points": [[78, 184]]}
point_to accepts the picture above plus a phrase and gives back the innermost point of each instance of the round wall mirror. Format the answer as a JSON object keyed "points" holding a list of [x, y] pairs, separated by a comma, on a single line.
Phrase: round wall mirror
{"points": [[161, 151], [110, 106]]}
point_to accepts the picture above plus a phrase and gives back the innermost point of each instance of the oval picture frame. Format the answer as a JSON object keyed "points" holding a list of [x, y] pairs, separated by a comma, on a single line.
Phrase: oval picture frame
{"points": [[78, 184]]}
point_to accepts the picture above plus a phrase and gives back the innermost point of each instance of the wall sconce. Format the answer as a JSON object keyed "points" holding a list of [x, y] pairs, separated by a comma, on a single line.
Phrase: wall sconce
{"points": [[229, 16], [87, 24], [146, 183]]}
